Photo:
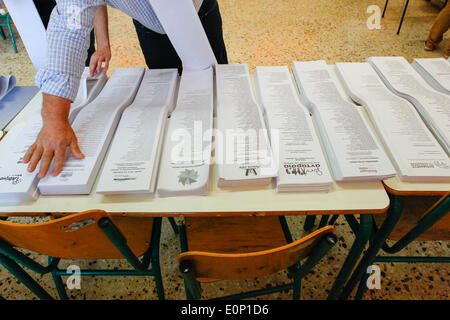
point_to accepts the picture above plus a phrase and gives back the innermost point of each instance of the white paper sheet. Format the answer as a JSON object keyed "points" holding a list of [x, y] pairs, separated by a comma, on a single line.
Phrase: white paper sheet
{"points": [[133, 158], [186, 153], [414, 150], [180, 21], [6, 85], [403, 80], [353, 152], [301, 161], [31, 29], [94, 127], [243, 150]]}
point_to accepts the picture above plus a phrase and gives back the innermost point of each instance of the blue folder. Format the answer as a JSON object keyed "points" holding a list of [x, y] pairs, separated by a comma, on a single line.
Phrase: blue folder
{"points": [[14, 102]]}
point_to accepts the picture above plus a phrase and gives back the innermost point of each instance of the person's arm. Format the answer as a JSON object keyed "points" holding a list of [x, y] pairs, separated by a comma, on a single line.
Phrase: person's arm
{"points": [[67, 43], [103, 51]]}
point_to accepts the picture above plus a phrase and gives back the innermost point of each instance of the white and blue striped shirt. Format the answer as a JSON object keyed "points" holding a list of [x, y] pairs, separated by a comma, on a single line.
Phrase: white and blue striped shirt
{"points": [[68, 40]]}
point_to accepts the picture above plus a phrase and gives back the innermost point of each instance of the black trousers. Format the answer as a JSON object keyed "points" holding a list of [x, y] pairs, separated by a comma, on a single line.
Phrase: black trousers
{"points": [[45, 8], [159, 52]]}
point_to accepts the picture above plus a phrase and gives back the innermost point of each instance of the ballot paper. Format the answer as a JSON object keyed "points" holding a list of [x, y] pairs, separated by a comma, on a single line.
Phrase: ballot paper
{"points": [[133, 158], [16, 183], [414, 151], [94, 127], [89, 88], [182, 25], [353, 152], [243, 151], [301, 162], [6, 85], [186, 156], [434, 107], [31, 29], [435, 71]]}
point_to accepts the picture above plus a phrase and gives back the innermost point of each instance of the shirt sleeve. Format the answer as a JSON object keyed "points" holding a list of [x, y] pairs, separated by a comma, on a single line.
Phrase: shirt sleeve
{"points": [[67, 43]]}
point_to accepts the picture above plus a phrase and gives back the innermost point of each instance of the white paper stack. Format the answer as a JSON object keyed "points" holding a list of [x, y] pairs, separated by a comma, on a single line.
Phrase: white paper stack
{"points": [[186, 153], [16, 183], [94, 127], [354, 153], [434, 107], [133, 158], [301, 162], [89, 89], [243, 150], [6, 85], [435, 71], [413, 149]]}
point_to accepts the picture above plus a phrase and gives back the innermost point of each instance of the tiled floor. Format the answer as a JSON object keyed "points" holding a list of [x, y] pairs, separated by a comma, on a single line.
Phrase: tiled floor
{"points": [[264, 32]]}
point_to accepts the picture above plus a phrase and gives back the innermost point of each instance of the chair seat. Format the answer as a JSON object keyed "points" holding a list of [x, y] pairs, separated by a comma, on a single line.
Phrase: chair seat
{"points": [[414, 208], [234, 234]]}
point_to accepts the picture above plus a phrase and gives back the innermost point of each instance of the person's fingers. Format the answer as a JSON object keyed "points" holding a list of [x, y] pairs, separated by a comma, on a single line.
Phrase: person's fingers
{"points": [[93, 64], [58, 161], [99, 65], [37, 154], [107, 64], [45, 163], [29, 153], [75, 149]]}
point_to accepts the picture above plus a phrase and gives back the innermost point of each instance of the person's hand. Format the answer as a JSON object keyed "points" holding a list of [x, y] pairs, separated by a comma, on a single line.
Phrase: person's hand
{"points": [[54, 138], [100, 56]]}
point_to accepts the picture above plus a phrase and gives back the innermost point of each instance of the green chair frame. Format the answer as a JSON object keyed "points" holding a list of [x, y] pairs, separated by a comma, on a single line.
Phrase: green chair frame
{"points": [[10, 258], [5, 20], [296, 272], [377, 242]]}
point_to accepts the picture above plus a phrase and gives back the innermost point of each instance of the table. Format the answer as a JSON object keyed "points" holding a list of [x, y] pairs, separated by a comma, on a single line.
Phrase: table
{"points": [[349, 198]]}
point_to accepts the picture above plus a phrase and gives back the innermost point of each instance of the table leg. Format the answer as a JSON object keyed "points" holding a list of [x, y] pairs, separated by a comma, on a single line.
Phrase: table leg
{"points": [[361, 238], [388, 225]]}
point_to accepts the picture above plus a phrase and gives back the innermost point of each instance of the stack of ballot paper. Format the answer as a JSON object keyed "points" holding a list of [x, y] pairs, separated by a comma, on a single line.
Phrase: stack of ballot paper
{"points": [[6, 85], [301, 162], [434, 107], [435, 71], [353, 152], [94, 127], [243, 150], [89, 88], [414, 151], [133, 158], [186, 157], [16, 183]]}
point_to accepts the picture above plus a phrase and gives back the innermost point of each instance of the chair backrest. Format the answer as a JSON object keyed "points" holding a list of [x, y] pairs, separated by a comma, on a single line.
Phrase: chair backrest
{"points": [[78, 235], [210, 266]]}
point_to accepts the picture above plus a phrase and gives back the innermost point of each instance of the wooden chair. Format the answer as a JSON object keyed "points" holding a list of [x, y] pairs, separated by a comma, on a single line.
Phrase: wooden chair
{"points": [[237, 248], [87, 235]]}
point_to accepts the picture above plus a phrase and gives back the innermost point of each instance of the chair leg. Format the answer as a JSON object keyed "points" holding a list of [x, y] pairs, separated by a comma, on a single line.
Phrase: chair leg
{"points": [[333, 219], [174, 225], [297, 288], [2, 34], [323, 221], [24, 277], [385, 6], [365, 229], [309, 223], [403, 16], [12, 37], [57, 279], [156, 268]]}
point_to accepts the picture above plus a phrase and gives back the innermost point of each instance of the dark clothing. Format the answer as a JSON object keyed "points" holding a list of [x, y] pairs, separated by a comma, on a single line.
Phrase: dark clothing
{"points": [[159, 52]]}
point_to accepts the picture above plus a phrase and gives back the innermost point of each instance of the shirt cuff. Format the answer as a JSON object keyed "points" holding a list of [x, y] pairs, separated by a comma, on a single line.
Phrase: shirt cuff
{"points": [[57, 84]]}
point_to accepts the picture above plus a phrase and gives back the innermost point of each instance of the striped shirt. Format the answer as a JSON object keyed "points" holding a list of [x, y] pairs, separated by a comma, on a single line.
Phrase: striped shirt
{"points": [[68, 40]]}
